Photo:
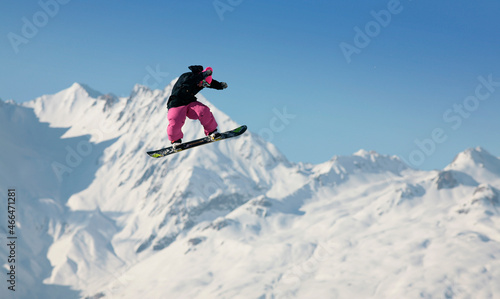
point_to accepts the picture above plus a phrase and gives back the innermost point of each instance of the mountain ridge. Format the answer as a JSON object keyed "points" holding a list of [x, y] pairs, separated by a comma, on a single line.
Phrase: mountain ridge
{"points": [[233, 217]]}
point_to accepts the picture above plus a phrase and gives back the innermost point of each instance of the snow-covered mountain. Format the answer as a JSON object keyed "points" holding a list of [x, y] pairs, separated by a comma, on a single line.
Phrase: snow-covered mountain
{"points": [[98, 218]]}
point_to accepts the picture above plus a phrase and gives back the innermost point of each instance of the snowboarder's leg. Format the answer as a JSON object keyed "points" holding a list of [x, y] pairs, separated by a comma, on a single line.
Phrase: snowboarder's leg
{"points": [[197, 110], [176, 119]]}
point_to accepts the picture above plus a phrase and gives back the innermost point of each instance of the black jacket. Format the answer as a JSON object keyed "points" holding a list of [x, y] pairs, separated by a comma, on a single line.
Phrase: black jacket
{"points": [[186, 87]]}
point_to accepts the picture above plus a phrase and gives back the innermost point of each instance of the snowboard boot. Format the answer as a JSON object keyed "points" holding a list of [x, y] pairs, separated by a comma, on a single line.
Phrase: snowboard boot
{"points": [[176, 145], [215, 135]]}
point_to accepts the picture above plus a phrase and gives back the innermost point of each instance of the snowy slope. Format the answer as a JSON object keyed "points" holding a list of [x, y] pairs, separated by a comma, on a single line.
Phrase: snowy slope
{"points": [[233, 219]]}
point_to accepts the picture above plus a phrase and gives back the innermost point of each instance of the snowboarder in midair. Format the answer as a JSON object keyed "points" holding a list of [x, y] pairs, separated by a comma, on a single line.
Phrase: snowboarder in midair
{"points": [[182, 103]]}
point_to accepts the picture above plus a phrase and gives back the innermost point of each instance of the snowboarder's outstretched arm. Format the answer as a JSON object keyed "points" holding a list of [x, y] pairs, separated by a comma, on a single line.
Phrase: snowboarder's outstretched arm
{"points": [[199, 75], [218, 85]]}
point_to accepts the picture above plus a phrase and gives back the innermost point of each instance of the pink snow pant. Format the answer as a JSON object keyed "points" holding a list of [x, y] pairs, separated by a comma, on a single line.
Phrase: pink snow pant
{"points": [[195, 110]]}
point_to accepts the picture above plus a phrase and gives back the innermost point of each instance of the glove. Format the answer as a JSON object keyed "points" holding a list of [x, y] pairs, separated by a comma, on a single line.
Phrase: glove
{"points": [[224, 85]]}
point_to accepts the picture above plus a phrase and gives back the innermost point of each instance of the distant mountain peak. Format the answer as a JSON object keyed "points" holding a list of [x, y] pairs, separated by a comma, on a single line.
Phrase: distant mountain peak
{"points": [[473, 158], [365, 153], [139, 87], [339, 168], [76, 87], [476, 155]]}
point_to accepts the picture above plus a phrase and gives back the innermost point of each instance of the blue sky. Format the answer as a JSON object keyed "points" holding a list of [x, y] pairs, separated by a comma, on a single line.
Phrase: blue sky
{"points": [[406, 85]]}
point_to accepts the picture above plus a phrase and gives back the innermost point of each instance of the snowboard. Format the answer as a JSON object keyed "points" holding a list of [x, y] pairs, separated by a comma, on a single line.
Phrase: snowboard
{"points": [[194, 143]]}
